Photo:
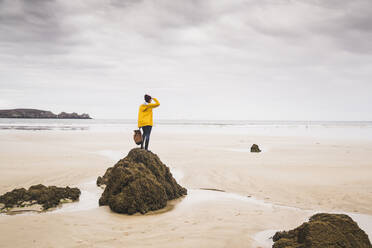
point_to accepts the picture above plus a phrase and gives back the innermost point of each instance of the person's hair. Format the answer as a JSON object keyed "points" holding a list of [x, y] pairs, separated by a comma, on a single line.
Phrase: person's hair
{"points": [[147, 98]]}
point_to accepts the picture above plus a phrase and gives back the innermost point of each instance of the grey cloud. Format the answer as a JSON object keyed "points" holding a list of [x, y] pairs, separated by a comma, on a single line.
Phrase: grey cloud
{"points": [[33, 27], [348, 24], [125, 3], [266, 49]]}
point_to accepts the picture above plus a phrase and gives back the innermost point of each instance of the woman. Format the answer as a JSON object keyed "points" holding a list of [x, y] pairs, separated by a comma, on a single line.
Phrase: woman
{"points": [[145, 119]]}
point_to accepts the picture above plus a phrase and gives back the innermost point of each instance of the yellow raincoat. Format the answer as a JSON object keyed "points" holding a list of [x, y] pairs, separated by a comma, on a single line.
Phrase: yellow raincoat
{"points": [[145, 113]]}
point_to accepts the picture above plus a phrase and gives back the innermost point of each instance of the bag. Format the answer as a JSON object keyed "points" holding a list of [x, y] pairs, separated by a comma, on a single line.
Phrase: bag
{"points": [[137, 137]]}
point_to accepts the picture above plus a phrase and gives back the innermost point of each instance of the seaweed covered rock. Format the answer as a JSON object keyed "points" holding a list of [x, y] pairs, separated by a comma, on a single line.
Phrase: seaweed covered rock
{"points": [[45, 196], [324, 231], [255, 148], [140, 182], [102, 181]]}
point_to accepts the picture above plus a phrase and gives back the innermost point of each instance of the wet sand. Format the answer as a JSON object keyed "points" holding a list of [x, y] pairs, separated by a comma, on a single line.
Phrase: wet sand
{"points": [[274, 190]]}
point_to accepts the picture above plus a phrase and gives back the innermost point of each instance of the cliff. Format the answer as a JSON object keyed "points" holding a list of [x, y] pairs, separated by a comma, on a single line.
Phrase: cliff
{"points": [[39, 114]]}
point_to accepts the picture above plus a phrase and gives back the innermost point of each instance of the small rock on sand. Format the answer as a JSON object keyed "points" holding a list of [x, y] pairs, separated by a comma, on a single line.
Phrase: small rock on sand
{"points": [[255, 148]]}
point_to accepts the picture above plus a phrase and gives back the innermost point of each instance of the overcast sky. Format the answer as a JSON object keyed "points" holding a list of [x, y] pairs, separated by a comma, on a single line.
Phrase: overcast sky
{"points": [[203, 59]]}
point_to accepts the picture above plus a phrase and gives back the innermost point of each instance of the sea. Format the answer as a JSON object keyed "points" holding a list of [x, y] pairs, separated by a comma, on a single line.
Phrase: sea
{"points": [[360, 130]]}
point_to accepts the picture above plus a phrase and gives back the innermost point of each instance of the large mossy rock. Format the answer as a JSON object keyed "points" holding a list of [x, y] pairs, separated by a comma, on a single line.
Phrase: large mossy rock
{"points": [[39, 194], [140, 182], [324, 231]]}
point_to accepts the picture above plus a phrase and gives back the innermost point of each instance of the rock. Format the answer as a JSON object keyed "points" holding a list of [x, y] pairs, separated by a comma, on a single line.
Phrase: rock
{"points": [[64, 115], [39, 114], [255, 148], [139, 183], [26, 113], [39, 194], [99, 181], [102, 181], [324, 231]]}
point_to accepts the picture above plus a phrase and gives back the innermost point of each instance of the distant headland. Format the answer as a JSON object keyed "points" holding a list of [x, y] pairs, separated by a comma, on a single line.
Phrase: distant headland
{"points": [[39, 114]]}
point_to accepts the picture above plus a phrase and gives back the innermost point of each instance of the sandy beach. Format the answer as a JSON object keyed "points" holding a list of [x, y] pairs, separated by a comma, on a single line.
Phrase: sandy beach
{"points": [[277, 189], [202, 81]]}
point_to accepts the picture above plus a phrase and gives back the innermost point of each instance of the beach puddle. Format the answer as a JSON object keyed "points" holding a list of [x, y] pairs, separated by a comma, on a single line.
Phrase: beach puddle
{"points": [[264, 239], [88, 199], [36, 208], [211, 189], [90, 194], [211, 194]]}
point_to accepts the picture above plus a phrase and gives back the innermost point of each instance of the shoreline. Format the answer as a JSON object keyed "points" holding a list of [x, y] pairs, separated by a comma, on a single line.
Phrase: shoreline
{"points": [[323, 130]]}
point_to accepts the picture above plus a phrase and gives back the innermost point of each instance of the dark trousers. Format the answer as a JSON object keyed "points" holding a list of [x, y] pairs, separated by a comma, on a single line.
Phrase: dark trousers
{"points": [[146, 131]]}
